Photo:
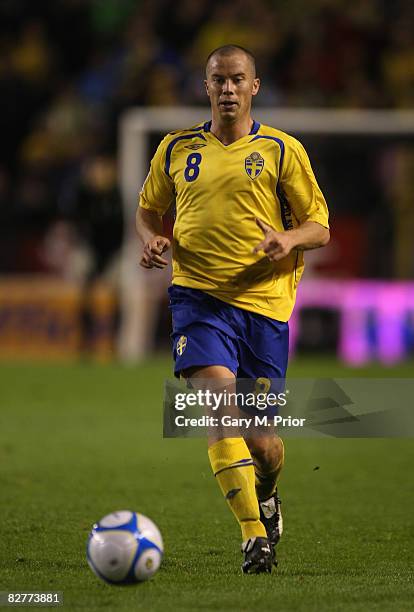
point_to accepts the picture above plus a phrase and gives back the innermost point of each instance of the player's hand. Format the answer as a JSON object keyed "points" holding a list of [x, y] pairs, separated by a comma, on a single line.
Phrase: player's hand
{"points": [[153, 250], [275, 245]]}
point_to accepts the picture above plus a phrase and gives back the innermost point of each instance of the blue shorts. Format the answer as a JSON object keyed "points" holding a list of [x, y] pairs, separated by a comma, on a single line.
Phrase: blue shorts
{"points": [[208, 331]]}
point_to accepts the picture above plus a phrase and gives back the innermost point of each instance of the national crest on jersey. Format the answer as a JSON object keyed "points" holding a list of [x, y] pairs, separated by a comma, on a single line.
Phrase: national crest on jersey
{"points": [[253, 165]]}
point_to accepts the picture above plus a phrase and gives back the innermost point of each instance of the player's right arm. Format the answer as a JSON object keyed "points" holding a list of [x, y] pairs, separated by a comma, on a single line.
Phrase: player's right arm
{"points": [[155, 198], [150, 231]]}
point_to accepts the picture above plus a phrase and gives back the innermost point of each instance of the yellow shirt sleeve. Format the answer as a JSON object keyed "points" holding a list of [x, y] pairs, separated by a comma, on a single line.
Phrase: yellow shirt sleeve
{"points": [[301, 188], [157, 192]]}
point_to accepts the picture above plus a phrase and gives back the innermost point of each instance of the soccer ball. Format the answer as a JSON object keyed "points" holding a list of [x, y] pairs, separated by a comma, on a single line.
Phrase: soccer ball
{"points": [[124, 547]]}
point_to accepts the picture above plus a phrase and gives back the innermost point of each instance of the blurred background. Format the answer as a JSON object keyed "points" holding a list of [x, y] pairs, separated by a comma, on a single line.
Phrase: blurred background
{"points": [[72, 70]]}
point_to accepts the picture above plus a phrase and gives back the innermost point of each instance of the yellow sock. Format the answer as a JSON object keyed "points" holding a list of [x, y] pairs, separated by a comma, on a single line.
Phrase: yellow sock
{"points": [[266, 483], [233, 467]]}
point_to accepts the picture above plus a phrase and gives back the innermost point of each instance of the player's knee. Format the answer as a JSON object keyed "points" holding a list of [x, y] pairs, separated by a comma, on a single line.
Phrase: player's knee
{"points": [[266, 451]]}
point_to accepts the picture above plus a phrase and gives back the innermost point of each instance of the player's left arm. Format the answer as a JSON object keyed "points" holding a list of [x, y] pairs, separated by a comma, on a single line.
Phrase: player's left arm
{"points": [[303, 195], [276, 245]]}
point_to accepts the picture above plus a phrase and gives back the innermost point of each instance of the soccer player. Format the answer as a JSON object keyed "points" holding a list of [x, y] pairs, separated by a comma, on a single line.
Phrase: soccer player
{"points": [[247, 206]]}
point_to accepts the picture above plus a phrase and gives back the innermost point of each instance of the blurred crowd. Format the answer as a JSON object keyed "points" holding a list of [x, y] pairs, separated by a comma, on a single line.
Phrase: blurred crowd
{"points": [[68, 68]]}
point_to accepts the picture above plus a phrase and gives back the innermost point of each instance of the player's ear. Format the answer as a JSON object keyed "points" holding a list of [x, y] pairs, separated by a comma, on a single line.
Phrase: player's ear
{"points": [[206, 86], [256, 86]]}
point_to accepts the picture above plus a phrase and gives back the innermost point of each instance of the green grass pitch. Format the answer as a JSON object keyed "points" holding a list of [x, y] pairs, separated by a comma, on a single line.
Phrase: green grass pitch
{"points": [[79, 441]]}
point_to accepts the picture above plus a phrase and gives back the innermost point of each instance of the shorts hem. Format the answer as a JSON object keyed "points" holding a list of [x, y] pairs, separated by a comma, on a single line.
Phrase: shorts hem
{"points": [[177, 371]]}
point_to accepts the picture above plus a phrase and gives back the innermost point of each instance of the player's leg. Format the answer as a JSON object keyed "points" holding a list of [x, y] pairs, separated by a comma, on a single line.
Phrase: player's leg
{"points": [[268, 456], [230, 457], [263, 357], [204, 348]]}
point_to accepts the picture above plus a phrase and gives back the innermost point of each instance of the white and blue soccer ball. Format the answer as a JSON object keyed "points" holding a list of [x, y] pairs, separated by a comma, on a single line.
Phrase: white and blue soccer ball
{"points": [[125, 547]]}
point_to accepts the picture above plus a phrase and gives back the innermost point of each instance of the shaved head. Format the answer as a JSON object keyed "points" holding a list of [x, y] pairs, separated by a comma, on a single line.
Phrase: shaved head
{"points": [[227, 50], [231, 83]]}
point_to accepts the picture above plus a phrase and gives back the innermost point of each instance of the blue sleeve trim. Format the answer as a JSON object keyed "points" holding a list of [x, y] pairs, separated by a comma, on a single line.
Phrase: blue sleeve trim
{"points": [[285, 209], [172, 145], [281, 145], [198, 128]]}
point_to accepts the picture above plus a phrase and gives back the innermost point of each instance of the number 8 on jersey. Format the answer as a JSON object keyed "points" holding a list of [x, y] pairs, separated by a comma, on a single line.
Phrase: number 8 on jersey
{"points": [[192, 169]]}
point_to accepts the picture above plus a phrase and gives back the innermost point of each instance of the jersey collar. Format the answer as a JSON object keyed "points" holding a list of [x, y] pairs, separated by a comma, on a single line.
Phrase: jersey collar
{"points": [[254, 130]]}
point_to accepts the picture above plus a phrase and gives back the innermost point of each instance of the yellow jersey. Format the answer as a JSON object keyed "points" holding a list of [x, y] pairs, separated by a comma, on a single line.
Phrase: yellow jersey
{"points": [[219, 190]]}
